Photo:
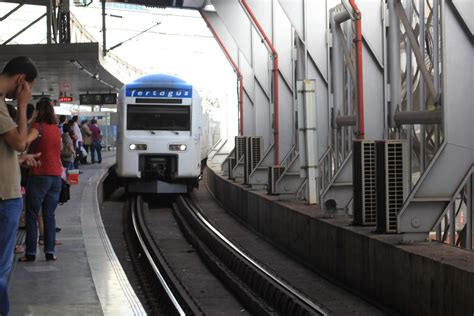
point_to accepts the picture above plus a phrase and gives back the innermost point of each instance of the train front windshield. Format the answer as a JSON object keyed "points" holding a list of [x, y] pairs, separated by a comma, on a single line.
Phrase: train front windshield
{"points": [[153, 117]]}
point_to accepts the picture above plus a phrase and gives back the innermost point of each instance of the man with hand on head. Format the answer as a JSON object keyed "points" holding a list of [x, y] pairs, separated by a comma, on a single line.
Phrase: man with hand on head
{"points": [[16, 81]]}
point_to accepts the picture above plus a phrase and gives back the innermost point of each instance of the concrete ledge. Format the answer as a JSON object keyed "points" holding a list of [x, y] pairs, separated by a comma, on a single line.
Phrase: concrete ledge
{"points": [[422, 278], [114, 291]]}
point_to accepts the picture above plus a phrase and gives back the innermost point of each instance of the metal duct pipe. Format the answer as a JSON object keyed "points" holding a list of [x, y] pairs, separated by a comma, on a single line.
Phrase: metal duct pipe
{"points": [[360, 79], [418, 117], [346, 120], [341, 17]]}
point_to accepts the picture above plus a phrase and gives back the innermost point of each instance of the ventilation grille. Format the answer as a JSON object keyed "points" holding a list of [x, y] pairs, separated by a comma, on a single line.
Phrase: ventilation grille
{"points": [[395, 172], [369, 183], [240, 142], [231, 165], [252, 155], [256, 151], [364, 170], [274, 173]]}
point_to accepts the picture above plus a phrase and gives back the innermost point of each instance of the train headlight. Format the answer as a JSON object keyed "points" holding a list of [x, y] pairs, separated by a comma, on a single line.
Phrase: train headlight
{"points": [[178, 147], [137, 147]]}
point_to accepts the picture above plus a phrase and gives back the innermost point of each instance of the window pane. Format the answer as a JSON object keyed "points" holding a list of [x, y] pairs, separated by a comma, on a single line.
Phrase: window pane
{"points": [[158, 117]]}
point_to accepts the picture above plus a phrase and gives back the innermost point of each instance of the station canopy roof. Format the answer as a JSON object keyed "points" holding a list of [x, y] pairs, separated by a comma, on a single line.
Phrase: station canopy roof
{"points": [[65, 69], [191, 4]]}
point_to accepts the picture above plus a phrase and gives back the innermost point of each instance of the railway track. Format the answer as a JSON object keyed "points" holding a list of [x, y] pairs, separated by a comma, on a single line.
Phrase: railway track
{"points": [[162, 288], [259, 290]]}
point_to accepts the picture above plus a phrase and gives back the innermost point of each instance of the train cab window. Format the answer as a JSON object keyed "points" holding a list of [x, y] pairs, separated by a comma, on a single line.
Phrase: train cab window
{"points": [[158, 117]]}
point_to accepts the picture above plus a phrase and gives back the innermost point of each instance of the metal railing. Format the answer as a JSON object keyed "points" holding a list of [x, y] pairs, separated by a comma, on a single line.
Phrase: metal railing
{"points": [[455, 226]]}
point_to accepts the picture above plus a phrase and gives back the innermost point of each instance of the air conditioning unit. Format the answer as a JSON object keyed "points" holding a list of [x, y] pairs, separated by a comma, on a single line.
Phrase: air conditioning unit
{"points": [[392, 183], [274, 173], [231, 165], [252, 156], [364, 182], [240, 145]]}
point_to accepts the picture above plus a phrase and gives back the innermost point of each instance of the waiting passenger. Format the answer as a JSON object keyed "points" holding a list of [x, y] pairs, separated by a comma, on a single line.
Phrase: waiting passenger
{"points": [[68, 153], [16, 81], [11, 111], [77, 131], [44, 182], [30, 111], [62, 121], [87, 139], [96, 147]]}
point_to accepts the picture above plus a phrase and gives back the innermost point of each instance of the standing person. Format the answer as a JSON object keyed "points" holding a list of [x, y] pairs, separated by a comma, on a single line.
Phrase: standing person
{"points": [[44, 183], [77, 131], [68, 153], [87, 139], [62, 121], [16, 81], [96, 147], [78, 143]]}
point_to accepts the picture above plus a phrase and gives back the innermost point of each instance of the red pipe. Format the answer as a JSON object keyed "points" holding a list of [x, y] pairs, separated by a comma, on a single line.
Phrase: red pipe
{"points": [[360, 82], [275, 76], [236, 70]]}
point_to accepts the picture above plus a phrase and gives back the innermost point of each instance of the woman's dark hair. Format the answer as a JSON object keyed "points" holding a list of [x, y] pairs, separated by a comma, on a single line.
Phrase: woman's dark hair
{"points": [[66, 128], [93, 121], [45, 111], [29, 111], [21, 66]]}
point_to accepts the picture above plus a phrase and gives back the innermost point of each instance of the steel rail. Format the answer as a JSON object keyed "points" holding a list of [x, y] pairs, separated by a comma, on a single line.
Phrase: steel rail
{"points": [[255, 264], [158, 274]]}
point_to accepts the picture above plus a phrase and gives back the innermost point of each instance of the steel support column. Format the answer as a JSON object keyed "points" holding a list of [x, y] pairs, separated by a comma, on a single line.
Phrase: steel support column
{"points": [[452, 163]]}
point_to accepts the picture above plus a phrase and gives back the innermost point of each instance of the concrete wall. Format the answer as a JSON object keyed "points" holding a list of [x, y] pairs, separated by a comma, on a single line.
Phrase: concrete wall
{"points": [[426, 278]]}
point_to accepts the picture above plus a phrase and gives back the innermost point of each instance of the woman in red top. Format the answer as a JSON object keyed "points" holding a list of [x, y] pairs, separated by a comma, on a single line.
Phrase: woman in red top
{"points": [[44, 182]]}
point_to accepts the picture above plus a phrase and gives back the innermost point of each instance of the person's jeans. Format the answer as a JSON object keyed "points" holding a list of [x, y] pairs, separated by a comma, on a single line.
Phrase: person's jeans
{"points": [[10, 211], [69, 165], [96, 151], [42, 192]]}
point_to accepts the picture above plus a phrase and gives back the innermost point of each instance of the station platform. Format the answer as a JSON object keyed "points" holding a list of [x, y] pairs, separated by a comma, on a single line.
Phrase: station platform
{"points": [[415, 279], [87, 278]]}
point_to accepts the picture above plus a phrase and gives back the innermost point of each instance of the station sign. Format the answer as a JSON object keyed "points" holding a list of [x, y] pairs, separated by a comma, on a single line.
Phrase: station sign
{"points": [[98, 98], [159, 93]]}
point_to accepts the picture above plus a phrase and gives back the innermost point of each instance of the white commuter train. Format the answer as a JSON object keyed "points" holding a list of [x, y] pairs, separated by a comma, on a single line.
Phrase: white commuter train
{"points": [[159, 145]]}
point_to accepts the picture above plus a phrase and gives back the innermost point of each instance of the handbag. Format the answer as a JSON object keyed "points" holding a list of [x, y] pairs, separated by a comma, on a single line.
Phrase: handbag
{"points": [[83, 152], [65, 194]]}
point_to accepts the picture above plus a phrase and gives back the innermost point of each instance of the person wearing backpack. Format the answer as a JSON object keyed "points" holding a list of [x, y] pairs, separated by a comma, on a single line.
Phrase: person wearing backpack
{"points": [[44, 182]]}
